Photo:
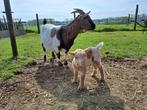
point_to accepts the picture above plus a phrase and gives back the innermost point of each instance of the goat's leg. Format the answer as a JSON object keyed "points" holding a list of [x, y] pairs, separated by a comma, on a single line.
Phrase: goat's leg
{"points": [[58, 59], [44, 51], [75, 78], [94, 70], [58, 55], [65, 59], [53, 57], [81, 84], [82, 78], [101, 72], [99, 65]]}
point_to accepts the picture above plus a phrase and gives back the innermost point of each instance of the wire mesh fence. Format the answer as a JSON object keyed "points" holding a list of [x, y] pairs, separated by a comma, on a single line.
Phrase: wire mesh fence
{"points": [[18, 24]]}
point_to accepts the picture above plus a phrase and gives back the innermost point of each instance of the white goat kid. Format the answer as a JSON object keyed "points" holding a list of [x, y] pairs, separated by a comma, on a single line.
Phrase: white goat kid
{"points": [[84, 58]]}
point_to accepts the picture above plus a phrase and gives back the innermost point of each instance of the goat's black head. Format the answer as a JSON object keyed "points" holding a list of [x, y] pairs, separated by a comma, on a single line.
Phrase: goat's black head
{"points": [[84, 20]]}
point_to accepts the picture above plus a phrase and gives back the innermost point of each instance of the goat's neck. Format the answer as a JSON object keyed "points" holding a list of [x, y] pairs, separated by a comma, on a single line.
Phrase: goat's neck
{"points": [[72, 30], [75, 30]]}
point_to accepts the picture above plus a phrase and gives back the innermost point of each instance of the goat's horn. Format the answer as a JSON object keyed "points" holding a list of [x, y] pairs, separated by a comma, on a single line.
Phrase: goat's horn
{"points": [[74, 12], [88, 12], [79, 11]]}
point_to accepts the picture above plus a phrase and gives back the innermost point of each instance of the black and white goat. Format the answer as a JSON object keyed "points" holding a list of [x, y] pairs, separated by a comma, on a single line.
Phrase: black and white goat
{"points": [[57, 38]]}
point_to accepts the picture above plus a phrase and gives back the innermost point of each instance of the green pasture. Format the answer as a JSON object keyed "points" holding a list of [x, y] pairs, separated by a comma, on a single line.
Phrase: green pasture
{"points": [[117, 44]]}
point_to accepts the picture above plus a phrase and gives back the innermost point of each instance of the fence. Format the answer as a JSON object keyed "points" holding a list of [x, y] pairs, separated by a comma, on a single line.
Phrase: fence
{"points": [[18, 26]]}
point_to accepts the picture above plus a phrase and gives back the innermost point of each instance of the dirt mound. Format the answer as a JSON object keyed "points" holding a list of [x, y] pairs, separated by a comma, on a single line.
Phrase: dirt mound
{"points": [[49, 87]]}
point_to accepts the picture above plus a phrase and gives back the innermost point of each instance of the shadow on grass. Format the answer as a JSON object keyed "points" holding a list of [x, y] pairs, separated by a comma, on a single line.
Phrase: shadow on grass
{"points": [[57, 81], [30, 31]]}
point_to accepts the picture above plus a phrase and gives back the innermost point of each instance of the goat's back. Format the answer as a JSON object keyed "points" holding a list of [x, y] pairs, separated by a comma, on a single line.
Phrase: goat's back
{"points": [[46, 30], [45, 34]]}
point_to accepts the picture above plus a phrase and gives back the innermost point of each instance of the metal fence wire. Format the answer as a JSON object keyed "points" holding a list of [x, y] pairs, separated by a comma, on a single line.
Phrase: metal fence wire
{"points": [[18, 24]]}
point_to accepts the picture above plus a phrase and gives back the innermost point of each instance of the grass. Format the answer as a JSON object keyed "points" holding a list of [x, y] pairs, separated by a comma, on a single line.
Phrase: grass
{"points": [[110, 28], [116, 44], [28, 48]]}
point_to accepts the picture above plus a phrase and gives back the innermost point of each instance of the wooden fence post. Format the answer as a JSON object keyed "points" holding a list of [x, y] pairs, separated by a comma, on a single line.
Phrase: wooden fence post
{"points": [[136, 15], [38, 27], [11, 28], [128, 19], [107, 21], [1, 28], [5, 23]]}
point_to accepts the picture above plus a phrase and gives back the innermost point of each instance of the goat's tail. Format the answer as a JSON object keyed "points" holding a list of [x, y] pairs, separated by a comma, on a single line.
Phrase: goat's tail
{"points": [[44, 21], [100, 45]]}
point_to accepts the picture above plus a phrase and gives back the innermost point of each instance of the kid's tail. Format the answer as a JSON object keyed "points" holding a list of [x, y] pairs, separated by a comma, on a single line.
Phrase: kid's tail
{"points": [[100, 45]]}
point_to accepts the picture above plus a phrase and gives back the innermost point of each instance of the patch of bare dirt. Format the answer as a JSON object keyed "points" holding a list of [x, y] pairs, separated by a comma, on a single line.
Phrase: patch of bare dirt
{"points": [[49, 87]]}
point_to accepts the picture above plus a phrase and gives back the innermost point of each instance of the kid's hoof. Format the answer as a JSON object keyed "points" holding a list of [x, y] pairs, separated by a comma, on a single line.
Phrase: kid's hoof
{"points": [[102, 81], [74, 82], [93, 75], [60, 64], [81, 88], [52, 60], [65, 63]]}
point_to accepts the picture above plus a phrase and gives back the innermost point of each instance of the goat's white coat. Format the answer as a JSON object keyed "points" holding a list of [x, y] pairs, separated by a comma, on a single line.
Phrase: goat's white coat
{"points": [[95, 51], [51, 43], [81, 57]]}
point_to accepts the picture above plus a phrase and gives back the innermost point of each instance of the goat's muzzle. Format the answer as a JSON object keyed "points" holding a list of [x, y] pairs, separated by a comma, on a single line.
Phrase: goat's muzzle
{"points": [[92, 24], [93, 27]]}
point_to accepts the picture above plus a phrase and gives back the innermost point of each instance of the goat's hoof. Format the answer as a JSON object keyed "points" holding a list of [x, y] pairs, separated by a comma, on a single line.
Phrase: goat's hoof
{"points": [[74, 82], [65, 63], [93, 75], [80, 88], [52, 60], [102, 81], [60, 64], [44, 63]]}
